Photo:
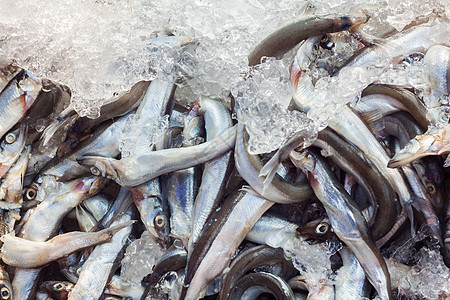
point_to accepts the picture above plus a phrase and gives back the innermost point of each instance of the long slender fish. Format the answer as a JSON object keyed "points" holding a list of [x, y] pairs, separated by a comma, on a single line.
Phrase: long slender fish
{"points": [[181, 186], [275, 231], [374, 184], [415, 39], [23, 253], [254, 284], [215, 172], [98, 267], [399, 97], [350, 280], [436, 141], [257, 256], [45, 221], [437, 61], [249, 167], [286, 38], [16, 98], [104, 142], [132, 171], [347, 221], [225, 231], [115, 107]]}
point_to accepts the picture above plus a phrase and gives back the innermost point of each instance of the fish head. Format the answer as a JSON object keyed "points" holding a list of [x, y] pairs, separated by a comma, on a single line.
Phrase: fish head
{"points": [[316, 231], [12, 143], [6, 290], [58, 290], [158, 226], [435, 142], [431, 173], [102, 166]]}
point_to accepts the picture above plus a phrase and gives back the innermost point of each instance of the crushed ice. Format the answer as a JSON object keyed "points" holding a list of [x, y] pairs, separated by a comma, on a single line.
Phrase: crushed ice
{"points": [[140, 258]]}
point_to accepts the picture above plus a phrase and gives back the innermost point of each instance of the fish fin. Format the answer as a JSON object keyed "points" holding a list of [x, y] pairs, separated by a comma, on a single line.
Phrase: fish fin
{"points": [[371, 116], [270, 169]]}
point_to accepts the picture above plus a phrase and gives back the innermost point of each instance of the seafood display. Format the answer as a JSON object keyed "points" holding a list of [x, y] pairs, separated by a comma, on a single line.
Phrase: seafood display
{"points": [[340, 190]]}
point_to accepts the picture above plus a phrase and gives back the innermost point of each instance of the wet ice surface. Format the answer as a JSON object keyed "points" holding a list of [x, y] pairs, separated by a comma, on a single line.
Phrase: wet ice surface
{"points": [[99, 48], [140, 258], [313, 262], [428, 277]]}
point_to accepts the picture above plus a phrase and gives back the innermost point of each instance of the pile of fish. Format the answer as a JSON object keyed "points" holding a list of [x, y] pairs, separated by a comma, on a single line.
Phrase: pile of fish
{"points": [[228, 223]]}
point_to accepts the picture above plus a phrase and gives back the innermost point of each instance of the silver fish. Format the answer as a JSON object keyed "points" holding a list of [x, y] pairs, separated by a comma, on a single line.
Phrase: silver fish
{"points": [[97, 269], [347, 221], [215, 172], [224, 232], [12, 184], [132, 171], [16, 98], [23, 253]]}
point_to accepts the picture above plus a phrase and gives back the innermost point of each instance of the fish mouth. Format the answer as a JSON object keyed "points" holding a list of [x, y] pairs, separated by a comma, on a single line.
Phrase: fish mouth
{"points": [[420, 146]]}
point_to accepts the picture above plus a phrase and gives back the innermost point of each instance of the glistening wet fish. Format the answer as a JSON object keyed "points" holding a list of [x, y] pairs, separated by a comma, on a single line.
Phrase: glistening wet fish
{"points": [[286, 38], [16, 98], [223, 234], [23, 253], [347, 221], [215, 172], [132, 171], [254, 284]]}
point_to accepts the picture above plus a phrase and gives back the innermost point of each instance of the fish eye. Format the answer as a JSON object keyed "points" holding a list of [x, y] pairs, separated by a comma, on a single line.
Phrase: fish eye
{"points": [[316, 47], [95, 171], [5, 293], [30, 194], [10, 138], [322, 228], [431, 188], [160, 221], [58, 286]]}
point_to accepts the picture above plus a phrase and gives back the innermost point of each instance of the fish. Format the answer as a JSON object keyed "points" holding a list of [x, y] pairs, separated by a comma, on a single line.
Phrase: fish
{"points": [[351, 281], [12, 184], [23, 253], [154, 211], [97, 269], [104, 142], [45, 221], [11, 148], [346, 219], [249, 167], [286, 38], [16, 98], [114, 107], [223, 234], [133, 171], [436, 141], [258, 256], [254, 284], [215, 172], [437, 61]]}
